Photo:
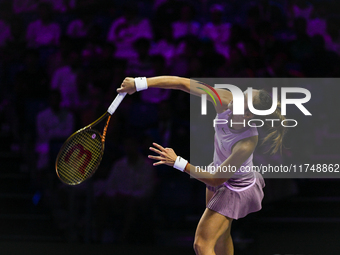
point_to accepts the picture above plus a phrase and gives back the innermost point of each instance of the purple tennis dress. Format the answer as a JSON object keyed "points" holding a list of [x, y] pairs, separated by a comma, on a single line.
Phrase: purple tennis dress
{"points": [[243, 193]]}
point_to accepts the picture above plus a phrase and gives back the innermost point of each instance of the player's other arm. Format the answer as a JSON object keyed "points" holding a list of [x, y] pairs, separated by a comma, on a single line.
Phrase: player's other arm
{"points": [[185, 84], [240, 153]]}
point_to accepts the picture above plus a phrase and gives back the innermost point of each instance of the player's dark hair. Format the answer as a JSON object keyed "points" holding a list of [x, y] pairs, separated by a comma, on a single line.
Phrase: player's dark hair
{"points": [[275, 132]]}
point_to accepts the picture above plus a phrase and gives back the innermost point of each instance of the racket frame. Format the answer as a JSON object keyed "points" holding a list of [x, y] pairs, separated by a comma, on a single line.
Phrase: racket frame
{"points": [[108, 114], [102, 139]]}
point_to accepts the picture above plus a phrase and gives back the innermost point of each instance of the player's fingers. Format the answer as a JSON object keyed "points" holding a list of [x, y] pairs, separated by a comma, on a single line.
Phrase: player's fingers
{"points": [[156, 157], [121, 89], [157, 151], [158, 163], [158, 146]]}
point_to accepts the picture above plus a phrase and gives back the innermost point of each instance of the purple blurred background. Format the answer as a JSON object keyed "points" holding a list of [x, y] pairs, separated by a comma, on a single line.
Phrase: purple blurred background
{"points": [[61, 62]]}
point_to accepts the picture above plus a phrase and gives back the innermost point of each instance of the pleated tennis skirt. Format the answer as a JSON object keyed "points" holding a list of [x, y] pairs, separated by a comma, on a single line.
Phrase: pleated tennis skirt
{"points": [[237, 204]]}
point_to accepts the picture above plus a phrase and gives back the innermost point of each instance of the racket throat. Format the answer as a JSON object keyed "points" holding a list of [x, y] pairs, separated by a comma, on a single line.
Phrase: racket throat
{"points": [[105, 128]]}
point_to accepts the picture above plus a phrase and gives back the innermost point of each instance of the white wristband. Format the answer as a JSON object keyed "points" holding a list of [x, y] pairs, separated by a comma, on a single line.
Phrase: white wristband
{"points": [[140, 83], [180, 163]]}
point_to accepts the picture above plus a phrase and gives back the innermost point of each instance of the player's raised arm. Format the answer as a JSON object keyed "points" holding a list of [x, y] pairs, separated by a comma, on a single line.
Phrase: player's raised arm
{"points": [[131, 85]]}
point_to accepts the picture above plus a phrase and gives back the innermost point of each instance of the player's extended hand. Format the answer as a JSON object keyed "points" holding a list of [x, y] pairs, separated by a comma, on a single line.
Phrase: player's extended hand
{"points": [[166, 156], [128, 86]]}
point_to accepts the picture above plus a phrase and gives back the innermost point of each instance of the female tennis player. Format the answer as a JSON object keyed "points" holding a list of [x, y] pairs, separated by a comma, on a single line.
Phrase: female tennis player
{"points": [[228, 196]]}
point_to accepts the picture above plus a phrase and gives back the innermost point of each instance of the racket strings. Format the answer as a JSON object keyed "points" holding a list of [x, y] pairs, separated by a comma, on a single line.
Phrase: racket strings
{"points": [[80, 156]]}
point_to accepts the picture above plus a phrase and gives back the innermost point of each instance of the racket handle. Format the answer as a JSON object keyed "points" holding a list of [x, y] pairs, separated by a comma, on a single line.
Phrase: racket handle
{"points": [[116, 102]]}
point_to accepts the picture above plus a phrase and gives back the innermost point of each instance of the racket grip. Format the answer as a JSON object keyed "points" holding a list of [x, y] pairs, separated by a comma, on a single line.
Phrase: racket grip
{"points": [[116, 102]]}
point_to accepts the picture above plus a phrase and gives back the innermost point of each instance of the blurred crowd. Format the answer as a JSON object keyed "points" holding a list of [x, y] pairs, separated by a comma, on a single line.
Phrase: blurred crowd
{"points": [[61, 62]]}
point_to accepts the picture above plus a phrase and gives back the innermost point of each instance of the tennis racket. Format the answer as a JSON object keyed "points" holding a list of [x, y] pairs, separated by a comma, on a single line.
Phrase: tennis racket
{"points": [[82, 152]]}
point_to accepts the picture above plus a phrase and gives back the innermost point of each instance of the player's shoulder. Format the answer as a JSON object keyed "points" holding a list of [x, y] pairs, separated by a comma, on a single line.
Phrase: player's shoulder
{"points": [[246, 145], [223, 92]]}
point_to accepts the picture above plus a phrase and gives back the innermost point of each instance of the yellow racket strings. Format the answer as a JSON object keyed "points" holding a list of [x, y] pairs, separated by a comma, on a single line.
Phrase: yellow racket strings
{"points": [[80, 157]]}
